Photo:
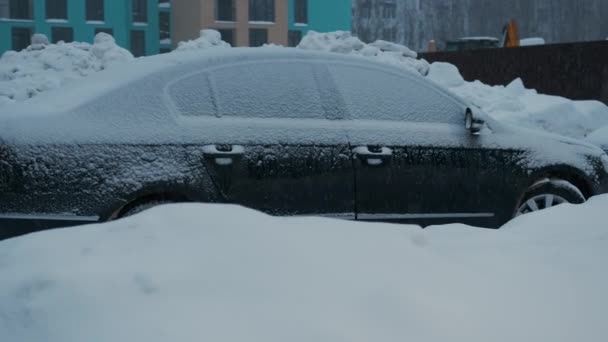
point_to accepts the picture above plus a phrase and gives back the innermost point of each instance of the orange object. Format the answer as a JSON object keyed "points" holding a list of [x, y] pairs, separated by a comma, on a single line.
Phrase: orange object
{"points": [[511, 34]]}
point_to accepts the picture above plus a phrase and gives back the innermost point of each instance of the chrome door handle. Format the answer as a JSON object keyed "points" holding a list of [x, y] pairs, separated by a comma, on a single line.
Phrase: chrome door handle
{"points": [[373, 158], [221, 156]]}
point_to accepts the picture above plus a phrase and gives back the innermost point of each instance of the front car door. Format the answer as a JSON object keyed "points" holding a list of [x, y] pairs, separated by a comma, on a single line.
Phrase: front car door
{"points": [[269, 144], [415, 161]]}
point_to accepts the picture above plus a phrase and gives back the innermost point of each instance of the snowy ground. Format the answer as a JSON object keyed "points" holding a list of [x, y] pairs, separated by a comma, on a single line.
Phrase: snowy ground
{"points": [[223, 273]]}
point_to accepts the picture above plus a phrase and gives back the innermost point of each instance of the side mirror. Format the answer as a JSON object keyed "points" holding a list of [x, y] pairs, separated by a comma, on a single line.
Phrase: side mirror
{"points": [[473, 123]]}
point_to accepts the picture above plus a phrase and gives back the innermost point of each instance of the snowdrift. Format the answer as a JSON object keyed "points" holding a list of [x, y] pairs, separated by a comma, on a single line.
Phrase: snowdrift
{"points": [[42, 66], [196, 272]]}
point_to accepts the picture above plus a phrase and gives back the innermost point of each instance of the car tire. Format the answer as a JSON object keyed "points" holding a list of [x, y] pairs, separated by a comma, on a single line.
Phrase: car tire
{"points": [[141, 207], [549, 193]]}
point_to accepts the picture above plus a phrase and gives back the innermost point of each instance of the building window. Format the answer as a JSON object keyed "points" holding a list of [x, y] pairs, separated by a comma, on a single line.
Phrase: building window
{"points": [[56, 9], [261, 10], [389, 10], [164, 25], [4, 9], [65, 34], [294, 37], [258, 37], [104, 30], [225, 10], [95, 10], [138, 43], [366, 9], [22, 37], [20, 9], [140, 11], [301, 11], [227, 35]]}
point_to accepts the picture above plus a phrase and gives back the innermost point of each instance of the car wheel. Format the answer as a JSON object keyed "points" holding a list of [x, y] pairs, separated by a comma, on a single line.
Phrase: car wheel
{"points": [[549, 193], [138, 208]]}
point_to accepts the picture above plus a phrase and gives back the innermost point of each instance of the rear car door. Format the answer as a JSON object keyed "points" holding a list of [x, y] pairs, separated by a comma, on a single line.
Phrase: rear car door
{"points": [[269, 144], [415, 161]]}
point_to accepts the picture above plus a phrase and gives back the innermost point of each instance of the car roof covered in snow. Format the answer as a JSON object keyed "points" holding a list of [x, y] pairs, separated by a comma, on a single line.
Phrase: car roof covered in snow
{"points": [[97, 85]]}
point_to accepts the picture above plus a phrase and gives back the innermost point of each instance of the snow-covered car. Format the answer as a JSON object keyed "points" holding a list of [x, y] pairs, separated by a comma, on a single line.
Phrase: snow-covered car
{"points": [[284, 131], [599, 137]]}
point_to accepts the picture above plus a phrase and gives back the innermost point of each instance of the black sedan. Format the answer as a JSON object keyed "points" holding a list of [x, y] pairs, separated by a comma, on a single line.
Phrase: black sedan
{"points": [[284, 131]]}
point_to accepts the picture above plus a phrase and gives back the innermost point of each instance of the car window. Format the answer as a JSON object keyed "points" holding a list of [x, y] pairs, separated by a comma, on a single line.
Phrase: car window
{"points": [[192, 95], [372, 93], [277, 89]]}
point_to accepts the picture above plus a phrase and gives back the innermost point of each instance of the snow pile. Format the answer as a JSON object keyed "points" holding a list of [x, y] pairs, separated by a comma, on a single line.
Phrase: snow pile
{"points": [[207, 39], [514, 104], [532, 41], [382, 51], [44, 66], [223, 273]]}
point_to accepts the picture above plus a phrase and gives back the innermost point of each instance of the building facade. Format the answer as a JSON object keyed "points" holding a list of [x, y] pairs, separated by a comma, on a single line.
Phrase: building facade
{"points": [[415, 22], [259, 22], [142, 26]]}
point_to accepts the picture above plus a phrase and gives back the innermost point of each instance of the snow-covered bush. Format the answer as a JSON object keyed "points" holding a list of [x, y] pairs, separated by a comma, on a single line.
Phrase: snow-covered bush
{"points": [[207, 39], [43, 66], [344, 42]]}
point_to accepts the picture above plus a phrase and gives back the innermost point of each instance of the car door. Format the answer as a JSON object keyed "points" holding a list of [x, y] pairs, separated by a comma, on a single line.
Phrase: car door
{"points": [[269, 144], [415, 161]]}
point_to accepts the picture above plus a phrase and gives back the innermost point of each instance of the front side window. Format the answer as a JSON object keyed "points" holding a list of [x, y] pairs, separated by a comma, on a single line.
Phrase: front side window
{"points": [[268, 90], [261, 10], [95, 10], [376, 94], [21, 9], [258, 37], [21, 37], [225, 10], [140, 11], [301, 11], [65, 34], [56, 9]]}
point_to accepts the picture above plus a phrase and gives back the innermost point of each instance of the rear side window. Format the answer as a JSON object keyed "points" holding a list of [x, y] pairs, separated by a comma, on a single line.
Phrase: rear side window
{"points": [[278, 89], [375, 94]]}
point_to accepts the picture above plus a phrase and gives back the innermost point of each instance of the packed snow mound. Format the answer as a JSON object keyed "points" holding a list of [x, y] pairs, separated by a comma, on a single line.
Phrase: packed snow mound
{"points": [[195, 272], [43, 66], [517, 105], [532, 41], [207, 39], [599, 137], [382, 51]]}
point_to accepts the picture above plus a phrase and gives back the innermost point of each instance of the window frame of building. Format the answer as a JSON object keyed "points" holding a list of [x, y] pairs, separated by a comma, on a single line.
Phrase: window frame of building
{"points": [[254, 38], [139, 11], [17, 9], [365, 10], [56, 9], [300, 11], [28, 41], [95, 10], [138, 50], [61, 31], [390, 34], [225, 10], [294, 37], [232, 35], [262, 11]]}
